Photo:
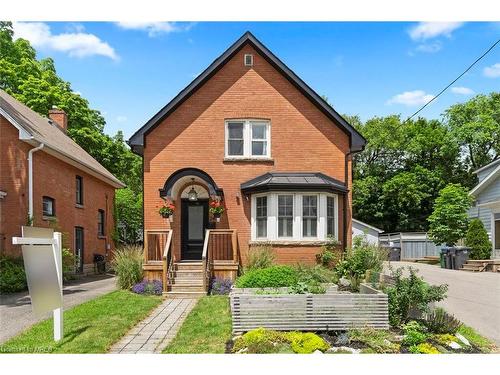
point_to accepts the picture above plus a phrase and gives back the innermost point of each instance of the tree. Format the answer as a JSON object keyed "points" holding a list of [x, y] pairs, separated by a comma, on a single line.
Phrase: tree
{"points": [[475, 125], [477, 239], [448, 222], [128, 214]]}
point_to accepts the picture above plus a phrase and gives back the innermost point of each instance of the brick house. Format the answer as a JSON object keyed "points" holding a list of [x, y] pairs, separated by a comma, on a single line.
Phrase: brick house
{"points": [[45, 175], [248, 133]]}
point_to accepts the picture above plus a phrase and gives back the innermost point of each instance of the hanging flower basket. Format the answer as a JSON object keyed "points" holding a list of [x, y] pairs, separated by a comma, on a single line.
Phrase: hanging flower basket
{"points": [[216, 209], [167, 210]]}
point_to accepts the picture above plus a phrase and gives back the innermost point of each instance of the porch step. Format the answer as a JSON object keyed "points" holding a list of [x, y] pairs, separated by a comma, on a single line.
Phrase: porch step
{"points": [[186, 288], [185, 266], [188, 274], [184, 294]]}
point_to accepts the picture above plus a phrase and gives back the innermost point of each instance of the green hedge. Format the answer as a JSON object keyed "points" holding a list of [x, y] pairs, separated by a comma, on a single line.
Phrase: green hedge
{"points": [[271, 277], [12, 276]]}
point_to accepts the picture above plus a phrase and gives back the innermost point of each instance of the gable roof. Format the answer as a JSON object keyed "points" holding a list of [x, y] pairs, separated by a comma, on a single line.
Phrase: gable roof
{"points": [[357, 142], [33, 127], [491, 177], [489, 165], [362, 223]]}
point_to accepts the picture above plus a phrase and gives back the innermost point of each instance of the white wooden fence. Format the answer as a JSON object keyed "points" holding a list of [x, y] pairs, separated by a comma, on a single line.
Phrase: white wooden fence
{"points": [[309, 312]]}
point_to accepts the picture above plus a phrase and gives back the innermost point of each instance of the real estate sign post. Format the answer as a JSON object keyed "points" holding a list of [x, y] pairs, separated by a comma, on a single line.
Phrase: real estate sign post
{"points": [[42, 255]]}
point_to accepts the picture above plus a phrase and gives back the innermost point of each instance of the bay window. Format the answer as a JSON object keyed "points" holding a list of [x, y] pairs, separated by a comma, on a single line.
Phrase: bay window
{"points": [[294, 216], [285, 216], [248, 139]]}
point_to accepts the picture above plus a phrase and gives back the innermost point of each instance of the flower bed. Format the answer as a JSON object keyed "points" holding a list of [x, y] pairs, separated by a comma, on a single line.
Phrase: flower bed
{"points": [[309, 312]]}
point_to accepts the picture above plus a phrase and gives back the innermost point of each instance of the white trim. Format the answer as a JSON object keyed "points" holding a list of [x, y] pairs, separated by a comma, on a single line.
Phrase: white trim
{"points": [[272, 217], [245, 59], [489, 165], [247, 138], [486, 181], [367, 225]]}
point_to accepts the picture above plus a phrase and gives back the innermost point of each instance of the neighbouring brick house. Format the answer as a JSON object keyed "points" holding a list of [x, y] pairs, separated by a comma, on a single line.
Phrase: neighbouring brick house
{"points": [[66, 189], [251, 134]]}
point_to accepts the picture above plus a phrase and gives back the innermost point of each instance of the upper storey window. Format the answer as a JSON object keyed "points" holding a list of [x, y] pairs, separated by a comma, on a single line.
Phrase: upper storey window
{"points": [[248, 139]]}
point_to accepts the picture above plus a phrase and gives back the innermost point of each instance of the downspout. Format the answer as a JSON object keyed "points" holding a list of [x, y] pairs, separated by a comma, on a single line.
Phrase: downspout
{"points": [[344, 202], [30, 182]]}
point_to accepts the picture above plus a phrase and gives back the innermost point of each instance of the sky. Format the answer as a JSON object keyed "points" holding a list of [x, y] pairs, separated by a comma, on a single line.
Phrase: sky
{"points": [[129, 71]]}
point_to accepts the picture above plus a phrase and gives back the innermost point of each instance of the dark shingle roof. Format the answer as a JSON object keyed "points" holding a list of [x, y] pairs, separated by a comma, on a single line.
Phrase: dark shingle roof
{"points": [[293, 181], [357, 142], [41, 129]]}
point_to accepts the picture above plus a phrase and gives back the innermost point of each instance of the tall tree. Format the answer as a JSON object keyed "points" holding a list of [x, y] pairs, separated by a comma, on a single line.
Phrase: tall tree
{"points": [[475, 125], [36, 84]]}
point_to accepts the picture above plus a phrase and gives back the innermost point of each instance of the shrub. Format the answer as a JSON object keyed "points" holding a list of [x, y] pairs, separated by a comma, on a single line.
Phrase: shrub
{"points": [[12, 276], [154, 287], [316, 273], [411, 294], [377, 340], [68, 263], [303, 287], [271, 277], [363, 256], [329, 254], [477, 239], [423, 348], [306, 343], [259, 341], [414, 338], [444, 339], [260, 257], [127, 263], [220, 286], [439, 321]]}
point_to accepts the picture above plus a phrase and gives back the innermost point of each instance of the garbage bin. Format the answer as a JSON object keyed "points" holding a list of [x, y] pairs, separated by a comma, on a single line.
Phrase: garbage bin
{"points": [[442, 255], [100, 263], [460, 257], [394, 254], [448, 253]]}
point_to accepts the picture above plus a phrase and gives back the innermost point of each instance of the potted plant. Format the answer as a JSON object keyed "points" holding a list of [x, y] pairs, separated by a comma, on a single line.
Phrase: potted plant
{"points": [[216, 209], [167, 210]]}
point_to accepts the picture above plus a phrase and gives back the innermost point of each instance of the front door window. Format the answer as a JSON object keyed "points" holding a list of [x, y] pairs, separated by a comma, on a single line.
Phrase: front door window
{"points": [[194, 223]]}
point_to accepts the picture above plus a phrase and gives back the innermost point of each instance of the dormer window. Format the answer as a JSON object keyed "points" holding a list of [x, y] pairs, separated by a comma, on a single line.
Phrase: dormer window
{"points": [[248, 139]]}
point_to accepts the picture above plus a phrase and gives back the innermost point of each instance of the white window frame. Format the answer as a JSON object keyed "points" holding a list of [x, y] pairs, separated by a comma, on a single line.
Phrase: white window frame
{"points": [[272, 217], [247, 139]]}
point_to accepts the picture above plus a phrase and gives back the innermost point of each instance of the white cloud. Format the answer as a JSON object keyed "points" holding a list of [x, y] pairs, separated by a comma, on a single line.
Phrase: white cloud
{"points": [[429, 47], [462, 90], [155, 28], [429, 30], [492, 71], [75, 44], [121, 118], [411, 98]]}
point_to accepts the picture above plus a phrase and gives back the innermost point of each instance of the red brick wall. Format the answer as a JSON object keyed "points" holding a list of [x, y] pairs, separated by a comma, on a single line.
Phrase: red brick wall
{"points": [[302, 139], [56, 179]]}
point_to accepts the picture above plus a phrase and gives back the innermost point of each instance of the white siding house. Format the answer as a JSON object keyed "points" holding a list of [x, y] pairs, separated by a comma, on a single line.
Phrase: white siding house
{"points": [[486, 204], [360, 228]]}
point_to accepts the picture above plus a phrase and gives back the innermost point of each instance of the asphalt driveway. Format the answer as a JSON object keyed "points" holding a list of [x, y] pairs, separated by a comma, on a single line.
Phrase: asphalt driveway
{"points": [[15, 309], [473, 297]]}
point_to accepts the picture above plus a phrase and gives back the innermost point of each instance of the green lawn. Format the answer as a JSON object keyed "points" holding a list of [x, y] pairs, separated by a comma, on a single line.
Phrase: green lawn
{"points": [[475, 338], [91, 327], [206, 328]]}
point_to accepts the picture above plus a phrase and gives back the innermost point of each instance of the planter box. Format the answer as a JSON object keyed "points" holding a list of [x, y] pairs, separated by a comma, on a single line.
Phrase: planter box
{"points": [[333, 311], [330, 288]]}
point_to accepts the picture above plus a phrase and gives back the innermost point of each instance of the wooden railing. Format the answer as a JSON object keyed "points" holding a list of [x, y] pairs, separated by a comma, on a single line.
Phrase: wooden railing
{"points": [[157, 253], [219, 245]]}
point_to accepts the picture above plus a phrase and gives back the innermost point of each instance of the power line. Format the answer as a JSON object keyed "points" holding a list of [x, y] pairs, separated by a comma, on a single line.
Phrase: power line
{"points": [[455, 80]]}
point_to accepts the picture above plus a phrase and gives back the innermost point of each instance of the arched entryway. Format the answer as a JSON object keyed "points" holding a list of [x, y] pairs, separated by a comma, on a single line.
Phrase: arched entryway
{"points": [[191, 190]]}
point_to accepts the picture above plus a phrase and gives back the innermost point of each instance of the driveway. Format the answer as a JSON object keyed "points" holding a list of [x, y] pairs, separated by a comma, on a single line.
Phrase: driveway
{"points": [[473, 297], [15, 309]]}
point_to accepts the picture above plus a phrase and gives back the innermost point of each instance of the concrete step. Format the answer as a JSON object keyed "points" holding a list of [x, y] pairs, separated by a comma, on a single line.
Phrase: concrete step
{"points": [[184, 294], [186, 288]]}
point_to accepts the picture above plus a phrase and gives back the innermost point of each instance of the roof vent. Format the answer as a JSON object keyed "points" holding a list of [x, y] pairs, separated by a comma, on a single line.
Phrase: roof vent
{"points": [[248, 59]]}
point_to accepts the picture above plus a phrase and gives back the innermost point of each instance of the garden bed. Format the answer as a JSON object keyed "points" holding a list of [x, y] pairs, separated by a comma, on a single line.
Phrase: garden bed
{"points": [[309, 312]]}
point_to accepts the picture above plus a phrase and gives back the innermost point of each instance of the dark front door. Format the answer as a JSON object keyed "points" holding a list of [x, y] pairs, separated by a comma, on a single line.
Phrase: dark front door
{"points": [[79, 248], [193, 226]]}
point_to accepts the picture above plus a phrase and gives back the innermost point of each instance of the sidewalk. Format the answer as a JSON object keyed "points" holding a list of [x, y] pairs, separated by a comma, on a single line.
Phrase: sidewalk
{"points": [[154, 333]]}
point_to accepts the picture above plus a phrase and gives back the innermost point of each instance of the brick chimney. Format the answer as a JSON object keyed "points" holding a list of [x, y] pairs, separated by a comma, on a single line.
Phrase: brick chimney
{"points": [[59, 117]]}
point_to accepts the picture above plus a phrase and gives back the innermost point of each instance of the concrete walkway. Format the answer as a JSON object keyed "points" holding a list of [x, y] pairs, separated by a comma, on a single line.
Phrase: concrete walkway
{"points": [[473, 297], [15, 309], [154, 333]]}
